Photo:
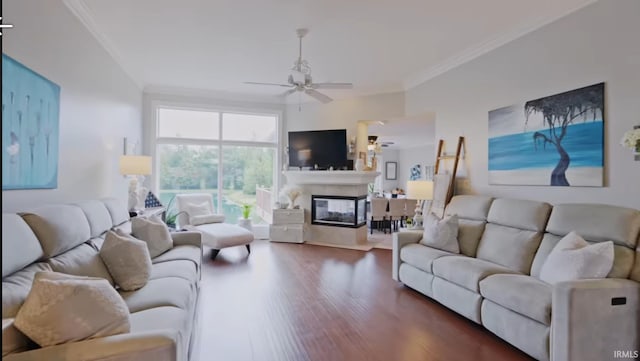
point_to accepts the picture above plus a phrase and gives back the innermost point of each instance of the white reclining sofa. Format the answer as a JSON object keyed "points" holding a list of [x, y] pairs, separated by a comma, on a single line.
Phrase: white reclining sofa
{"points": [[495, 280]]}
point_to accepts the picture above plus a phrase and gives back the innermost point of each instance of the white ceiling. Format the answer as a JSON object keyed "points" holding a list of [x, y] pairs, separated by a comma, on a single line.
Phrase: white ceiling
{"points": [[379, 45]]}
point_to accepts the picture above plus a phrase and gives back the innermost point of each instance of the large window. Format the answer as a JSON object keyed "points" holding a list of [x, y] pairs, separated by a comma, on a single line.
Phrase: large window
{"points": [[227, 154]]}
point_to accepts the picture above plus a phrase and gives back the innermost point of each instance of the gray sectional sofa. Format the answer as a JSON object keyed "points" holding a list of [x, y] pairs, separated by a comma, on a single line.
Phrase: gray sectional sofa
{"points": [[66, 238], [494, 281]]}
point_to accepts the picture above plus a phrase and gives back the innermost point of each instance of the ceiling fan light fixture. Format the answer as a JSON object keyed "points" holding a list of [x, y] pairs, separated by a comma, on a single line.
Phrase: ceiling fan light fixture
{"points": [[300, 80]]}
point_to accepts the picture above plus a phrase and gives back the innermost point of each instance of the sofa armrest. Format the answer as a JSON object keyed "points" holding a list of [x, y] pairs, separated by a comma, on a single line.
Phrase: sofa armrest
{"points": [[401, 239], [143, 346], [192, 238], [592, 319]]}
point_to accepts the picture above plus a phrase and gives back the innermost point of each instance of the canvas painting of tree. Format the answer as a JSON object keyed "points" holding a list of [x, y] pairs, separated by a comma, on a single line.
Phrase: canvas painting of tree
{"points": [[554, 141]]}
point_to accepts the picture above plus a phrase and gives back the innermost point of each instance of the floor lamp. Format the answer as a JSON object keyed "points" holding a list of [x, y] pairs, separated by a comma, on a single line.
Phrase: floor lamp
{"points": [[135, 167], [420, 190]]}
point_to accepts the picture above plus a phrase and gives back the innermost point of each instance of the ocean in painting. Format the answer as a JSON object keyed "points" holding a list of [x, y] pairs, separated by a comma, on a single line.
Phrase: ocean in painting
{"points": [[583, 142]]}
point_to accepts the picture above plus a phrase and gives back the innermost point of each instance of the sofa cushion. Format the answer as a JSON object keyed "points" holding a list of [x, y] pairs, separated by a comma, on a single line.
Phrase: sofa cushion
{"points": [[154, 232], [623, 258], [117, 209], [420, 256], [165, 318], [97, 215], [511, 247], [20, 247], [185, 252], [518, 213], [465, 271], [618, 224], [15, 288], [179, 268], [98, 310], [206, 218], [441, 234], [83, 260], [127, 260], [528, 335], [573, 258], [469, 234], [525, 295], [473, 207], [170, 291], [58, 227]]}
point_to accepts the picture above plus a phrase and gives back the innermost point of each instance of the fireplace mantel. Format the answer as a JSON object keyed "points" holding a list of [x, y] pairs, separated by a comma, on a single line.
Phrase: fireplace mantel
{"points": [[332, 177]]}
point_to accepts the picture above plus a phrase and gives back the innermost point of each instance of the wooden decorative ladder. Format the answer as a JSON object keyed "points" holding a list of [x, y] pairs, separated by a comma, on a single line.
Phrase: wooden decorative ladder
{"points": [[456, 158]]}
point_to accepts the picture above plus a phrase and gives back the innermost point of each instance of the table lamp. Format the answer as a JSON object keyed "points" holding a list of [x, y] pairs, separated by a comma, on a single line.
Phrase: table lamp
{"points": [[419, 190], [135, 167]]}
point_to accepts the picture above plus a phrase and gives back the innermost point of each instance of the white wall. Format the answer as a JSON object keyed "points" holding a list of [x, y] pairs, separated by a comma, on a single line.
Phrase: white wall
{"points": [[408, 157], [390, 155], [598, 43], [99, 104]]}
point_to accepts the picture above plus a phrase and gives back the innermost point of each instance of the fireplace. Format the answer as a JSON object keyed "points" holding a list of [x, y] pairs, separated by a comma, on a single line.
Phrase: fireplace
{"points": [[339, 211]]}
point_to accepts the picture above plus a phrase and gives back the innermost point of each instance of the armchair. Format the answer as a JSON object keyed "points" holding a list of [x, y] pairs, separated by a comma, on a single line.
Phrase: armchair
{"points": [[194, 207]]}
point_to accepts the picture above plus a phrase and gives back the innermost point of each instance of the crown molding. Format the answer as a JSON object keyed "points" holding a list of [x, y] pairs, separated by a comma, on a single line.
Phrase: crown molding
{"points": [[480, 49], [212, 94], [82, 12]]}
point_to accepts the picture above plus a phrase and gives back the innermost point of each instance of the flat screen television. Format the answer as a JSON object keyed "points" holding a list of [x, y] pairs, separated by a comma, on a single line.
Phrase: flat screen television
{"points": [[321, 148]]}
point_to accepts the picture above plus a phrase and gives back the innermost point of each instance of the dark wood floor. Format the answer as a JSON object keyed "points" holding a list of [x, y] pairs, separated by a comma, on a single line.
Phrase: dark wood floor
{"points": [[303, 302]]}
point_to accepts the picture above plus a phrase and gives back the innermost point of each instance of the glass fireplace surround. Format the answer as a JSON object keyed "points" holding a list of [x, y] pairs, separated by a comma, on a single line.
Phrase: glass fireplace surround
{"points": [[339, 211]]}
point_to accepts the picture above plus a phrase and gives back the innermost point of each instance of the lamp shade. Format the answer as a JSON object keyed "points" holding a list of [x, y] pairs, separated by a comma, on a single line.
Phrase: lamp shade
{"points": [[420, 190], [135, 165]]}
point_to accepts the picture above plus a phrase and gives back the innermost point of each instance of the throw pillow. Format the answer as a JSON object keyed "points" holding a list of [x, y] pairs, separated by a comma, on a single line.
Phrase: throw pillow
{"points": [[206, 218], [12, 339], [441, 233], [154, 232], [573, 258], [198, 209], [127, 259], [61, 308]]}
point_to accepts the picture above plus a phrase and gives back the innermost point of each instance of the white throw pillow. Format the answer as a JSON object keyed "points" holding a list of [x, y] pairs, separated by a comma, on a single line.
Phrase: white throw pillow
{"points": [[127, 260], [198, 209], [154, 232], [206, 218], [573, 258], [441, 233], [61, 308]]}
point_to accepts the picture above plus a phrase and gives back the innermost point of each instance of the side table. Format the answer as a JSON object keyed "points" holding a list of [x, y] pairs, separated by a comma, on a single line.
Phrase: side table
{"points": [[150, 212], [287, 226]]}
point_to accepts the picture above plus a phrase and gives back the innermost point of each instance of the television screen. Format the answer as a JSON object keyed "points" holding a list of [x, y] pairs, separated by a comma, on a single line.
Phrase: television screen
{"points": [[321, 148]]}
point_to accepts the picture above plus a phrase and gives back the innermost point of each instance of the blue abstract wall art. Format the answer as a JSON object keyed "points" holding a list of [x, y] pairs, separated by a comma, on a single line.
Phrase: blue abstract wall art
{"points": [[554, 141], [415, 173], [30, 111]]}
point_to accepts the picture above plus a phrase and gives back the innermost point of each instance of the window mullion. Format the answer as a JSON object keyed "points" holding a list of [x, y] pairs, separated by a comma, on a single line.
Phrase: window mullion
{"points": [[220, 167]]}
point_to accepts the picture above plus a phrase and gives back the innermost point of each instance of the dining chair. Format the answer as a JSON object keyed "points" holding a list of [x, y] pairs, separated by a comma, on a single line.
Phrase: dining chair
{"points": [[379, 213], [396, 212]]}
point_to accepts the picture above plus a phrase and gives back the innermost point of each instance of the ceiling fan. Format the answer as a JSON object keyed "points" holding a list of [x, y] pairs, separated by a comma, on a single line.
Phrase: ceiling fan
{"points": [[300, 80]]}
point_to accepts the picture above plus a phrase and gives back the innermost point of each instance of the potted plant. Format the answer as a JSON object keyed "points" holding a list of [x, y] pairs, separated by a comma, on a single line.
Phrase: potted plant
{"points": [[171, 216], [245, 221]]}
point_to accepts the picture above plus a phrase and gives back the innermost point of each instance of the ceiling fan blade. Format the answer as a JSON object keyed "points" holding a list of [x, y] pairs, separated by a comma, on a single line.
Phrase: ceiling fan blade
{"points": [[289, 92], [317, 95], [332, 86], [273, 84]]}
